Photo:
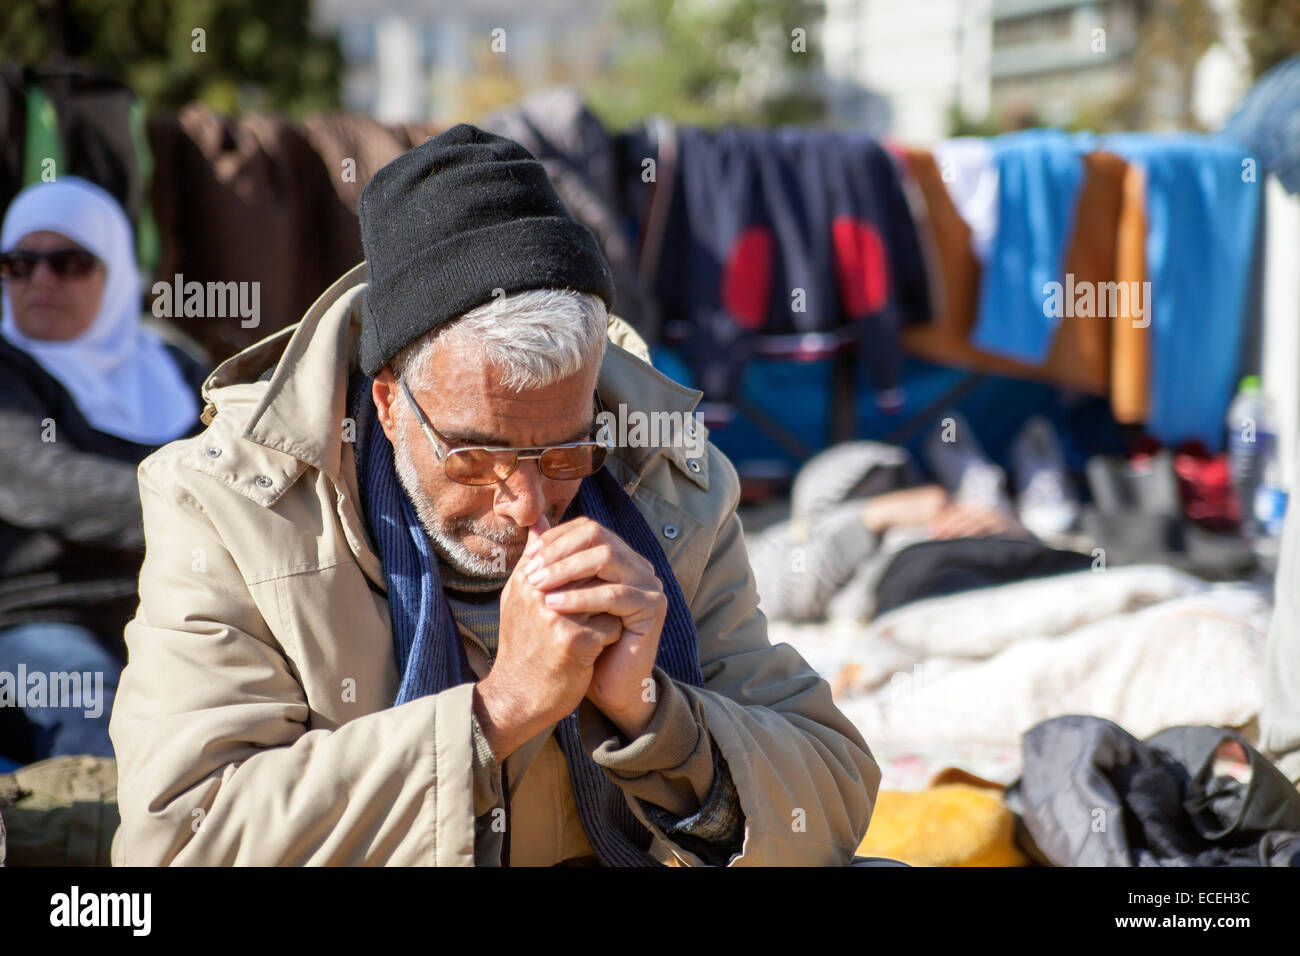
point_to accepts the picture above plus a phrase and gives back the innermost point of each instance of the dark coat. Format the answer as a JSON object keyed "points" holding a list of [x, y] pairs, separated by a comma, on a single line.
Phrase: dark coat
{"points": [[71, 534]]}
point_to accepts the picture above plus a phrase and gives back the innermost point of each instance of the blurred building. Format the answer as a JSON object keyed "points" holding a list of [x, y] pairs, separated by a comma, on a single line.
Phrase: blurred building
{"points": [[1052, 58], [938, 63], [448, 60], [1060, 62], [915, 62], [919, 70]]}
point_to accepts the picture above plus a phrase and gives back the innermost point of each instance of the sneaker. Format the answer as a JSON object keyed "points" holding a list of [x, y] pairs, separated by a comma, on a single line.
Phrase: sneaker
{"points": [[1044, 499], [962, 467]]}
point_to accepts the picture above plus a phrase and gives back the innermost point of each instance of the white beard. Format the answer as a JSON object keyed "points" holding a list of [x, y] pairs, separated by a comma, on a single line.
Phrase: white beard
{"points": [[449, 548]]}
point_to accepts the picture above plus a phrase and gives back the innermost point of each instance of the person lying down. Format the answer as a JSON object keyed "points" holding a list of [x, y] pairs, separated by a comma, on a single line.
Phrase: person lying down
{"points": [[857, 505]]}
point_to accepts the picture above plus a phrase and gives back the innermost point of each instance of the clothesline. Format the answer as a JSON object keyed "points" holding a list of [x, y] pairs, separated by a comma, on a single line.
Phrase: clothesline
{"points": [[752, 245]]}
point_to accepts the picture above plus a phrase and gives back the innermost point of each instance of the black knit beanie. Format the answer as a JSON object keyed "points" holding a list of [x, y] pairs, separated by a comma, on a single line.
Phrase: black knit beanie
{"points": [[455, 218]]}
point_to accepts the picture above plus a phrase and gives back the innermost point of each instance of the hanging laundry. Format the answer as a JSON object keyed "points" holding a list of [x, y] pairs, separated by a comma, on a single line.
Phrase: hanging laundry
{"points": [[260, 199], [1080, 356], [967, 168], [13, 120], [787, 232], [580, 158], [352, 148], [69, 121], [1202, 209], [246, 200], [1039, 176]]}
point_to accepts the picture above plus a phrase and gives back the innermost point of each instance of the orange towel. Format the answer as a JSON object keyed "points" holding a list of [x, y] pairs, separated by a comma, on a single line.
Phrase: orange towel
{"points": [[1081, 353], [951, 824], [1130, 391]]}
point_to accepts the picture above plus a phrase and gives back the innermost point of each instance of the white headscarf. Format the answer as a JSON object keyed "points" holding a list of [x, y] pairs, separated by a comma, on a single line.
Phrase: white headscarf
{"points": [[117, 371]]}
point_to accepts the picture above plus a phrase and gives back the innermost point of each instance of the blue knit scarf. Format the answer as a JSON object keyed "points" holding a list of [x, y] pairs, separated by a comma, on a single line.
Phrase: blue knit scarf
{"points": [[431, 654]]}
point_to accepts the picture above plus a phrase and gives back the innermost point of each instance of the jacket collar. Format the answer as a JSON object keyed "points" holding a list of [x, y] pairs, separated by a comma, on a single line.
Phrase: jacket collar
{"points": [[302, 413]]}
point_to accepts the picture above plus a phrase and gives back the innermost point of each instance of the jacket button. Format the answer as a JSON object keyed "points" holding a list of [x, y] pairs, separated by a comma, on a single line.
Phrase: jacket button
{"points": [[262, 481], [694, 466], [214, 452], [670, 531]]}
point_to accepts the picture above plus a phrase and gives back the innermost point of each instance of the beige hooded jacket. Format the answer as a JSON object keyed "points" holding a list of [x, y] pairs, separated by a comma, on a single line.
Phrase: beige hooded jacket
{"points": [[254, 721]]}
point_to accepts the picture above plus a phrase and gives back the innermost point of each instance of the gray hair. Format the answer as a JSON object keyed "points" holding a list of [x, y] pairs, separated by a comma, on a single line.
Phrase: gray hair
{"points": [[536, 338]]}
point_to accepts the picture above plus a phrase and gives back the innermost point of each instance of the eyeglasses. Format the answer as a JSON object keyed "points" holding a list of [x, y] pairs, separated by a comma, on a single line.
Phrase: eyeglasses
{"points": [[65, 263], [488, 464]]}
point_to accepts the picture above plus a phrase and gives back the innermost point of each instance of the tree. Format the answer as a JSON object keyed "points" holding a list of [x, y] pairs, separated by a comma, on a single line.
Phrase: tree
{"points": [[1176, 35], [1272, 32], [1172, 37], [706, 63], [231, 54]]}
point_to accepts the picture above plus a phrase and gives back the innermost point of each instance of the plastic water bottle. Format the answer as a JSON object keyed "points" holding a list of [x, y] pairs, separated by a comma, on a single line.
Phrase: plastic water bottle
{"points": [[1251, 444]]}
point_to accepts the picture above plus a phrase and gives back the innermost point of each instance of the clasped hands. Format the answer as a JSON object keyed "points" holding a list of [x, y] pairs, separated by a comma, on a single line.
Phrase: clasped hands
{"points": [[581, 616]]}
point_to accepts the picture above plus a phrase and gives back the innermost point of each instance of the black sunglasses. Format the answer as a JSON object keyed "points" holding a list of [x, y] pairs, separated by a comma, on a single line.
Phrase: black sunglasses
{"points": [[64, 263]]}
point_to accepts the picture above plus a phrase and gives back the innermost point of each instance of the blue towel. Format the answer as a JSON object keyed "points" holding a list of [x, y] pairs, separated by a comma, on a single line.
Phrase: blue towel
{"points": [[1201, 226], [431, 655], [1039, 176]]}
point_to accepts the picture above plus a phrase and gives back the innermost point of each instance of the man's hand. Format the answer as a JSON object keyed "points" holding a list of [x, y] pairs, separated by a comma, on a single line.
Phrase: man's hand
{"points": [[904, 507], [961, 520], [586, 569], [544, 663]]}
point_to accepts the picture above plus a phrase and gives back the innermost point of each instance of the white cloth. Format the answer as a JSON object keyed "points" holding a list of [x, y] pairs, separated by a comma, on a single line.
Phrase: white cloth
{"points": [[118, 371], [1146, 646], [966, 167], [1192, 660]]}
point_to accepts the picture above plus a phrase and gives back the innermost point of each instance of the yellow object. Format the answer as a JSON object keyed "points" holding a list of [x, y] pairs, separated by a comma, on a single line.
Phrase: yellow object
{"points": [[953, 824]]}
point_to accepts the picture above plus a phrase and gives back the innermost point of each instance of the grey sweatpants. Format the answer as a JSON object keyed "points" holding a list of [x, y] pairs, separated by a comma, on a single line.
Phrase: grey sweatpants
{"points": [[827, 565], [799, 565]]}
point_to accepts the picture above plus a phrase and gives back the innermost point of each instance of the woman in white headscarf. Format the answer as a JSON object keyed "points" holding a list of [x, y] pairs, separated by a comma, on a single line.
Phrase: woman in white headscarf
{"points": [[86, 393]]}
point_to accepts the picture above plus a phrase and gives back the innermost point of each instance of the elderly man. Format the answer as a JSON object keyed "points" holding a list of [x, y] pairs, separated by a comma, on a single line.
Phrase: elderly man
{"points": [[403, 604]]}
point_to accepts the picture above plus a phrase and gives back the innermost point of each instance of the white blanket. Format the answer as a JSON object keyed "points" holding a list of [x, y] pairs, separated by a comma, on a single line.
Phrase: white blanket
{"points": [[1146, 646]]}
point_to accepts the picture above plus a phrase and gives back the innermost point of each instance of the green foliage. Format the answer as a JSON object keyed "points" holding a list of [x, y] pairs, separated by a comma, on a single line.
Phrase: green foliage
{"points": [[256, 55], [709, 62], [1272, 31], [959, 124]]}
